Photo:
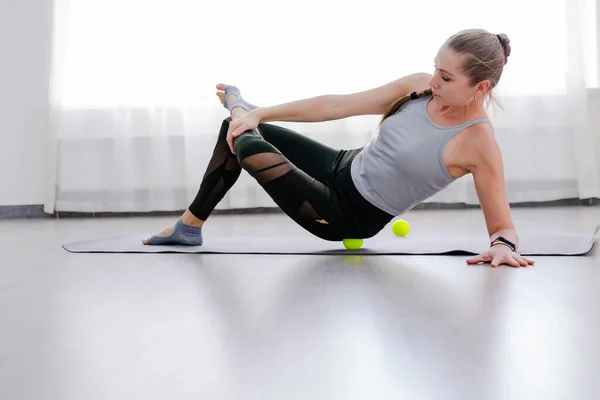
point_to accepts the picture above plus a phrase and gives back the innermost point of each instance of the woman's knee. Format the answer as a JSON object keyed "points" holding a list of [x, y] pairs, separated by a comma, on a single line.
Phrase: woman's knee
{"points": [[249, 143]]}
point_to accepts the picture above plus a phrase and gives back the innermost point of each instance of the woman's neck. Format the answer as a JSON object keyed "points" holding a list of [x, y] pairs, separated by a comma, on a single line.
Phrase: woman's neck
{"points": [[457, 113]]}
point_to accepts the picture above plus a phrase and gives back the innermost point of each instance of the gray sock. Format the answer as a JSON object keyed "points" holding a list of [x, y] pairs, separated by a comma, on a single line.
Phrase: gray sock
{"points": [[239, 102], [185, 235]]}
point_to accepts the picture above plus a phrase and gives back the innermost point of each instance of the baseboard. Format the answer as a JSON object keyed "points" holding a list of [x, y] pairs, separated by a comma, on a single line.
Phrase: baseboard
{"points": [[37, 211], [21, 212], [257, 210]]}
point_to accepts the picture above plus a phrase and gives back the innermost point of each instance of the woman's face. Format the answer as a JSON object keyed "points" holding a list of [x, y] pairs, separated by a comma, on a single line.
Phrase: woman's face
{"points": [[450, 86]]}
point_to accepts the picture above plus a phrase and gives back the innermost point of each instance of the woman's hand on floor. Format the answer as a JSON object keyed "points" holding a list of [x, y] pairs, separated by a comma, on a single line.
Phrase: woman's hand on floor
{"points": [[500, 254]]}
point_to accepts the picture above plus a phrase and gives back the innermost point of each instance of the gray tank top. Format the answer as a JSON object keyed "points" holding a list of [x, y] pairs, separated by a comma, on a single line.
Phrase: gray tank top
{"points": [[403, 166]]}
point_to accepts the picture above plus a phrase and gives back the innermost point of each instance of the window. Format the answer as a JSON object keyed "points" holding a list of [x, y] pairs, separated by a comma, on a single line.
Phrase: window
{"points": [[135, 53]]}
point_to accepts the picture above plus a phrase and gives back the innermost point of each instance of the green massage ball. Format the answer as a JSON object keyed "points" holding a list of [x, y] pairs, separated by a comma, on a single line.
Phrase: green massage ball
{"points": [[353, 244], [400, 228]]}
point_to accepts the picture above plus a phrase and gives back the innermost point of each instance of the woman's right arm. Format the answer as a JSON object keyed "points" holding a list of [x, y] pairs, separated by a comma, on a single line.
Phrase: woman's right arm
{"points": [[332, 107]]}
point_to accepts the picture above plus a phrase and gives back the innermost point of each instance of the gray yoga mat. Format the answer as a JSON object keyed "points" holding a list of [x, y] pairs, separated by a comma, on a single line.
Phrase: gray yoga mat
{"points": [[529, 245]]}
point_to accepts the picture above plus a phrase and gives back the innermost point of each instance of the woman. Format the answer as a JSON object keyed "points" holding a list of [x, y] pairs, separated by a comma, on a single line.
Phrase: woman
{"points": [[434, 130]]}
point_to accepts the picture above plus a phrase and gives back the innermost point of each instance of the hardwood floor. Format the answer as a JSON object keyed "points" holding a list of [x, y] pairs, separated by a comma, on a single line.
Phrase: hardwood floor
{"points": [[193, 326]]}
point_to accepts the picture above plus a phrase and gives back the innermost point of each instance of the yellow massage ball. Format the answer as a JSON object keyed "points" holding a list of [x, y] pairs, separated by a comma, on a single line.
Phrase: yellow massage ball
{"points": [[353, 244], [400, 227]]}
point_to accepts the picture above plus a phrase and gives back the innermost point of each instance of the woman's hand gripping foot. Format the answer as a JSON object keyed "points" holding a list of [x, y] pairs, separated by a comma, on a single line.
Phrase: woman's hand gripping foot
{"points": [[243, 117]]}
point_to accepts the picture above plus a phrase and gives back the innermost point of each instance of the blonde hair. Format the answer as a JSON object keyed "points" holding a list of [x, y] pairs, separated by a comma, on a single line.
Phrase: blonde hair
{"points": [[486, 55]]}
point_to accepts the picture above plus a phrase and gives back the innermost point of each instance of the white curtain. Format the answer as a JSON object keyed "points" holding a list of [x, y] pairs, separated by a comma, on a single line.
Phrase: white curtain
{"points": [[135, 117]]}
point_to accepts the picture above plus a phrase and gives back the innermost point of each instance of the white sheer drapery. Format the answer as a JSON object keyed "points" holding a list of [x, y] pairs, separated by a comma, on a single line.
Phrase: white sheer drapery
{"points": [[135, 116]]}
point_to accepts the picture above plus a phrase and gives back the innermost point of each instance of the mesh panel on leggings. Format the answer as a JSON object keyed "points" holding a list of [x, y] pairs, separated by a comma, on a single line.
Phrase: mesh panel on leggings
{"points": [[221, 173], [270, 168]]}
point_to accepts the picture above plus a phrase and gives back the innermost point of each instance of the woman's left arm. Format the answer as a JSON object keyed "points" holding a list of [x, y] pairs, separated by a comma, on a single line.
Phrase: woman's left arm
{"points": [[487, 168]]}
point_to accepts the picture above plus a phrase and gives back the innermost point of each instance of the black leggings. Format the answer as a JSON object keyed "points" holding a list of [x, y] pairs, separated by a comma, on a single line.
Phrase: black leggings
{"points": [[309, 181]]}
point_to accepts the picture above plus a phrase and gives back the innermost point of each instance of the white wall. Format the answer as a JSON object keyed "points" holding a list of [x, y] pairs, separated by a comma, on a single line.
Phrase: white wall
{"points": [[25, 27]]}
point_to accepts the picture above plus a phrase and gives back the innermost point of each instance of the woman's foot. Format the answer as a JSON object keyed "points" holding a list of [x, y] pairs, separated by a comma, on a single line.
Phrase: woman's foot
{"points": [[187, 231], [231, 98]]}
